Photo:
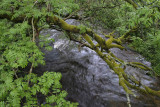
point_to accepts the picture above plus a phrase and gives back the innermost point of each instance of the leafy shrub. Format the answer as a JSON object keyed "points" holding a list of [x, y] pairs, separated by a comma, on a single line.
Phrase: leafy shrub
{"points": [[18, 50], [19, 92], [17, 87], [149, 48]]}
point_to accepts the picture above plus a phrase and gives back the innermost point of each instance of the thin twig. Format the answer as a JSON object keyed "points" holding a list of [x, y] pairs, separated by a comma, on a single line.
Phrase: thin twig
{"points": [[15, 73], [30, 71], [73, 13], [128, 100], [35, 3], [33, 30]]}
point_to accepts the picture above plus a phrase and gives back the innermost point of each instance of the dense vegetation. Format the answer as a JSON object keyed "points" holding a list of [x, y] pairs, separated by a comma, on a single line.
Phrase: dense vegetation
{"points": [[18, 50], [121, 17], [22, 20]]}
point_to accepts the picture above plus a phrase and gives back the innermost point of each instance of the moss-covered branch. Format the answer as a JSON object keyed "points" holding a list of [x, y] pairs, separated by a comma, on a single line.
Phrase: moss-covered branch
{"points": [[111, 60], [102, 45]]}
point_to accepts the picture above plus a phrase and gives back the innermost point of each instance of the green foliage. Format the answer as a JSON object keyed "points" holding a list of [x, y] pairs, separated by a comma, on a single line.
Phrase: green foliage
{"points": [[45, 42], [82, 29], [105, 18], [146, 38], [18, 50], [100, 12], [137, 42], [18, 92], [122, 16], [63, 7], [149, 48], [142, 17]]}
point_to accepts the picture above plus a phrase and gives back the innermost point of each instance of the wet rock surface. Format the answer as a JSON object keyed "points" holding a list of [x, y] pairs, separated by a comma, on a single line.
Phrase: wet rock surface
{"points": [[88, 79]]}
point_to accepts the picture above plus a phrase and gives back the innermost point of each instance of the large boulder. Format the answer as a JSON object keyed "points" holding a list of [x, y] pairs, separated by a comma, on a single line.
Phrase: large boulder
{"points": [[88, 79]]}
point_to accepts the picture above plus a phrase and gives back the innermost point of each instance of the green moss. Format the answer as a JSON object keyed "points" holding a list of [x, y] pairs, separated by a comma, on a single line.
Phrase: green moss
{"points": [[88, 39], [140, 65]]}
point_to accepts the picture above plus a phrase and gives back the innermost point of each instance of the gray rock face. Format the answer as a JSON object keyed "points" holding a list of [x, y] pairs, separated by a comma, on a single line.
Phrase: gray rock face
{"points": [[88, 79]]}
